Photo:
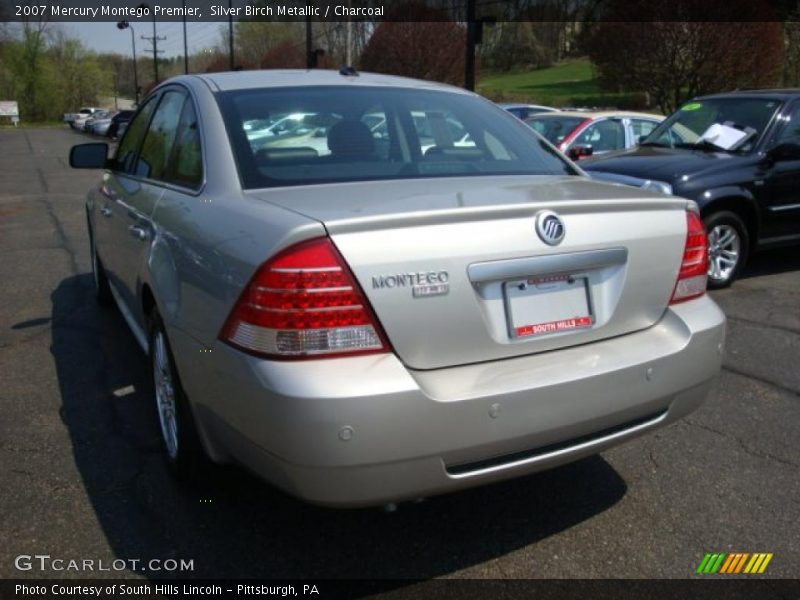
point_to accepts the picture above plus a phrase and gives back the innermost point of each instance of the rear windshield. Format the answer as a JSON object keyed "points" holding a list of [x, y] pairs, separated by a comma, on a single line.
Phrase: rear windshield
{"points": [[306, 135], [554, 129]]}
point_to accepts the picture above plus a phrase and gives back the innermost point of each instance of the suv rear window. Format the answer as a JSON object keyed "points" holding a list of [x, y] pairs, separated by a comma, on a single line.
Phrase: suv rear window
{"points": [[307, 135]]}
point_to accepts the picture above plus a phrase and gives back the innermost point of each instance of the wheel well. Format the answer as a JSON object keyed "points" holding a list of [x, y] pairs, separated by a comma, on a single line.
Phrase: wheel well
{"points": [[148, 301], [739, 206]]}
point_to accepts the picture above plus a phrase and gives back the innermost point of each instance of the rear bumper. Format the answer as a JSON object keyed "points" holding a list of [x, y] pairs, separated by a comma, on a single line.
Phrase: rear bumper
{"points": [[366, 430]]}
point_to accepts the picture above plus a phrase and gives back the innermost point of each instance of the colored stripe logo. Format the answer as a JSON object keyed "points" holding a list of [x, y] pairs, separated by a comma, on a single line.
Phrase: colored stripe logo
{"points": [[734, 563]]}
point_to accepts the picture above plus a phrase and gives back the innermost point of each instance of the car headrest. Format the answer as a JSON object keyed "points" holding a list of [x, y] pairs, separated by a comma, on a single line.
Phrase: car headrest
{"points": [[351, 139]]}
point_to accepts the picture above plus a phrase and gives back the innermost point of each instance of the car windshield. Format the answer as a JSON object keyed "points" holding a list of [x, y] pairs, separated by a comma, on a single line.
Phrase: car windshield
{"points": [[732, 123], [306, 135], [554, 129]]}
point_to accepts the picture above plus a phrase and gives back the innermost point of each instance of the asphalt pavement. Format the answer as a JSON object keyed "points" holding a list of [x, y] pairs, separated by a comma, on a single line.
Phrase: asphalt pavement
{"points": [[82, 477]]}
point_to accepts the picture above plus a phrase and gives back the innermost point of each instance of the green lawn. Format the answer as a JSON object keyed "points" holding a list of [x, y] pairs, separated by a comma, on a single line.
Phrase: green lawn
{"points": [[6, 124], [569, 83]]}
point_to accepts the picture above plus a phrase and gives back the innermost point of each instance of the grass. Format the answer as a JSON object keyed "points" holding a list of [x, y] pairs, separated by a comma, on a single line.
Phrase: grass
{"points": [[6, 124], [569, 83]]}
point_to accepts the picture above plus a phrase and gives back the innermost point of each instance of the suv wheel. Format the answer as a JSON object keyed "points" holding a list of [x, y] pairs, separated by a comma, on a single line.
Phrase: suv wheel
{"points": [[728, 243], [181, 444]]}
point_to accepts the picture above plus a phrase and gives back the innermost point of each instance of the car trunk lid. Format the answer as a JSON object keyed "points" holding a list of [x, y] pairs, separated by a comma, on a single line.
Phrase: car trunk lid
{"points": [[456, 272]]}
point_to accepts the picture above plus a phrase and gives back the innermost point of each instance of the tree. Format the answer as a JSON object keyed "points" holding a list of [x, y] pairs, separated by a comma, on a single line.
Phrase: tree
{"points": [[255, 39], [673, 60], [417, 46], [514, 45], [286, 55], [50, 74]]}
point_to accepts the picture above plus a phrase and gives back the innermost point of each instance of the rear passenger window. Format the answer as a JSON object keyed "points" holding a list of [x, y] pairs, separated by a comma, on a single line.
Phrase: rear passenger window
{"points": [[160, 137], [186, 165], [603, 136], [640, 128], [126, 153]]}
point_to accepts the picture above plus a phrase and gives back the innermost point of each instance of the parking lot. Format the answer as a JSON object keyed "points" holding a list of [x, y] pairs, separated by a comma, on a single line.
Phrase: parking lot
{"points": [[82, 476]]}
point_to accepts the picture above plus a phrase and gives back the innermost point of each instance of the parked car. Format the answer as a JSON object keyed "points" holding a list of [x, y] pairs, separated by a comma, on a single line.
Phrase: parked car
{"points": [[120, 117], [122, 126], [83, 113], [80, 123], [580, 134], [738, 156], [99, 125], [523, 111], [378, 323], [88, 123]]}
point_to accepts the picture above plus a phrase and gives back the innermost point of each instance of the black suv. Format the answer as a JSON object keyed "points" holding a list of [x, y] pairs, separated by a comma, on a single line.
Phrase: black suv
{"points": [[738, 156], [122, 116]]}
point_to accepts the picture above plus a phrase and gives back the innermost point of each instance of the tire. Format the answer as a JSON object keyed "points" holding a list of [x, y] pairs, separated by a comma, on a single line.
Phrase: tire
{"points": [[102, 290], [728, 248], [180, 442]]}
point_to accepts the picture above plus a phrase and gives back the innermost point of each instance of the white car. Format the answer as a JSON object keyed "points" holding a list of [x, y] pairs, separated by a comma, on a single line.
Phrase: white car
{"points": [[523, 111]]}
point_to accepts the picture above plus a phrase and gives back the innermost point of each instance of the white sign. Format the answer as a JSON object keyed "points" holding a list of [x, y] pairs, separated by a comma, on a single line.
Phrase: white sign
{"points": [[8, 108], [723, 136]]}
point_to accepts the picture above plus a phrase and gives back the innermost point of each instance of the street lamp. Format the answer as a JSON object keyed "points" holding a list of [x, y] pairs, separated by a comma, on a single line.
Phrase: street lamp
{"points": [[145, 6], [125, 25]]}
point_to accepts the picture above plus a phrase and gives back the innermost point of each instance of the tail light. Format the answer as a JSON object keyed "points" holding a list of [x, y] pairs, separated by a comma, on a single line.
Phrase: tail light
{"points": [[304, 302], [694, 266]]}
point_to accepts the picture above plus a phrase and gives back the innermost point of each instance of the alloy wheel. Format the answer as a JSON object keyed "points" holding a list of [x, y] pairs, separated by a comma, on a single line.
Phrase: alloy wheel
{"points": [[724, 252], [165, 394]]}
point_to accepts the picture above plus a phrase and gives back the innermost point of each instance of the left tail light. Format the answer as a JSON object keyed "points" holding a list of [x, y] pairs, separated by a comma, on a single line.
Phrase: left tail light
{"points": [[304, 303]]}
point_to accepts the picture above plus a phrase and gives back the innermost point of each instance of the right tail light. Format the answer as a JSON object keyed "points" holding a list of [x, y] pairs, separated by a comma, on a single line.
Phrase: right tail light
{"points": [[692, 277]]}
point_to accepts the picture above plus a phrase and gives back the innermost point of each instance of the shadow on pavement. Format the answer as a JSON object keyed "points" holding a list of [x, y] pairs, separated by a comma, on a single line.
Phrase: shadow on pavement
{"points": [[236, 526], [772, 262]]}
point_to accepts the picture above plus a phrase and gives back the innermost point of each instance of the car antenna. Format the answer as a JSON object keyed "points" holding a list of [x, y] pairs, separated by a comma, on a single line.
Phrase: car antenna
{"points": [[348, 71]]}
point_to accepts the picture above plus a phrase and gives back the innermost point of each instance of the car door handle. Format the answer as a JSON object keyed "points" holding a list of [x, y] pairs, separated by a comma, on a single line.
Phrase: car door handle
{"points": [[108, 192], [106, 212], [138, 232]]}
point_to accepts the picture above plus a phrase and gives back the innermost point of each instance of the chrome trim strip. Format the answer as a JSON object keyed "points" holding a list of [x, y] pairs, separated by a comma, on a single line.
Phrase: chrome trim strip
{"points": [[784, 207], [546, 265], [566, 451]]}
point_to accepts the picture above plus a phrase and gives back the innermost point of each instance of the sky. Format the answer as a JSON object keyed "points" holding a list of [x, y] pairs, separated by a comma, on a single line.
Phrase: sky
{"points": [[105, 37]]}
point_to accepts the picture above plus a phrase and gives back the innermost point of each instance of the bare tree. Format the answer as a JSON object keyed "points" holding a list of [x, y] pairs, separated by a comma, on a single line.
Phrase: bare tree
{"points": [[419, 48], [675, 60]]}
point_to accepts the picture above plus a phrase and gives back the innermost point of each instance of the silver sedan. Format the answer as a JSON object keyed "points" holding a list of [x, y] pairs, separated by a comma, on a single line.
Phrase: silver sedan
{"points": [[364, 315]]}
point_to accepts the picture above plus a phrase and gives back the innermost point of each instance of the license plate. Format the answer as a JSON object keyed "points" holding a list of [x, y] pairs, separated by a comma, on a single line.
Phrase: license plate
{"points": [[546, 305]]}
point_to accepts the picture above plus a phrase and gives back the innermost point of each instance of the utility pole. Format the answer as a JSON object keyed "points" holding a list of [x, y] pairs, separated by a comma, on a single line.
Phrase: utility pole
{"points": [[349, 41], [185, 44], [154, 39], [469, 59], [230, 33], [309, 55]]}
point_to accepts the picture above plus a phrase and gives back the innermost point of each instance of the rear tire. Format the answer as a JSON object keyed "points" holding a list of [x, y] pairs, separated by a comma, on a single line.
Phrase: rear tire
{"points": [[181, 445], [728, 245]]}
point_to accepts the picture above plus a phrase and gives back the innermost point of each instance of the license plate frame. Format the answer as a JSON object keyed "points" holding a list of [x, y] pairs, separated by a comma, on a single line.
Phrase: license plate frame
{"points": [[561, 303]]}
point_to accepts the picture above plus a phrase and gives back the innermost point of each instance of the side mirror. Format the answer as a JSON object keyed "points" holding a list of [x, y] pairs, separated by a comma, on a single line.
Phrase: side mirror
{"points": [[785, 151], [89, 156], [640, 139], [578, 152]]}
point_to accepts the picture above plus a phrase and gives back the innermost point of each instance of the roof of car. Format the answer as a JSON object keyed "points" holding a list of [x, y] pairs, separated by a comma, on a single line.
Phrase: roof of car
{"points": [[781, 93], [598, 114], [521, 105], [240, 80]]}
